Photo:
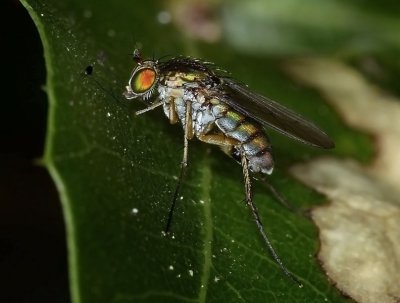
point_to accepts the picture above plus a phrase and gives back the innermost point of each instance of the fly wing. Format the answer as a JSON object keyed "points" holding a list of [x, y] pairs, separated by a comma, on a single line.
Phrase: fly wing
{"points": [[272, 114]]}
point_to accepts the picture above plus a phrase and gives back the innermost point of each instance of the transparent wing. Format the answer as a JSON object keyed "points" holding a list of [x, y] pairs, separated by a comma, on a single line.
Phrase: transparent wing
{"points": [[272, 114]]}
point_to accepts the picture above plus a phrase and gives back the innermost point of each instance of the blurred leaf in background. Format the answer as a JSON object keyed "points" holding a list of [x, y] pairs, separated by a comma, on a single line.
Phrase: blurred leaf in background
{"points": [[312, 27], [115, 173]]}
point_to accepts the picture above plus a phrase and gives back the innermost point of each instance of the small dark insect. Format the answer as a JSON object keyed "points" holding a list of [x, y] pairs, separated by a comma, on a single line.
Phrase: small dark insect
{"points": [[218, 110], [89, 70]]}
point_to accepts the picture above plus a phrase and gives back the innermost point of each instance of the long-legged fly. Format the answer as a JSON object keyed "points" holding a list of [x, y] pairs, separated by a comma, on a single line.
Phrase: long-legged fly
{"points": [[219, 110]]}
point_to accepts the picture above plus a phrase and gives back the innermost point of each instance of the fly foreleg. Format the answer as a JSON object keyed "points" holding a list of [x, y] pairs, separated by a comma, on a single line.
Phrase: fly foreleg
{"points": [[173, 116], [151, 107], [188, 134]]}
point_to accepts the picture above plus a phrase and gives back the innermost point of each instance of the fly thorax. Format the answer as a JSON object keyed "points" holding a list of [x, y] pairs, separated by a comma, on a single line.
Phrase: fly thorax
{"points": [[166, 92], [172, 81], [162, 92], [180, 107], [190, 95]]}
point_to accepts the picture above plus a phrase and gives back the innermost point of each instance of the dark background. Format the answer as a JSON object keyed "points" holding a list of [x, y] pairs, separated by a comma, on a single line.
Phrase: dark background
{"points": [[33, 261]]}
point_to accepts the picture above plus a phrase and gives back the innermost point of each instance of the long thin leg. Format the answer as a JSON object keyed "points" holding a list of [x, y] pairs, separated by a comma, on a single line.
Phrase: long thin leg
{"points": [[253, 208], [277, 195], [151, 107], [187, 131], [282, 199]]}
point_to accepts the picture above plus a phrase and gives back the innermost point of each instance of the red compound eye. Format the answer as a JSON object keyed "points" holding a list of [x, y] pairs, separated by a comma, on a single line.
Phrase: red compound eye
{"points": [[143, 80]]}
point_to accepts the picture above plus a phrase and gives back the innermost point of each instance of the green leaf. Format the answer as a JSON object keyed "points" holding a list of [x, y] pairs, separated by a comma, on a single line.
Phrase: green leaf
{"points": [[116, 173], [312, 27]]}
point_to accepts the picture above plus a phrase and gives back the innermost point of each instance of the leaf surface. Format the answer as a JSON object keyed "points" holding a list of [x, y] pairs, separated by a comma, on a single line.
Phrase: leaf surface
{"points": [[116, 172]]}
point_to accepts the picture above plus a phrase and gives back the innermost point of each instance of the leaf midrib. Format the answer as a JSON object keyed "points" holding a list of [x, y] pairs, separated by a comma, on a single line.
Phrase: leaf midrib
{"points": [[205, 181]]}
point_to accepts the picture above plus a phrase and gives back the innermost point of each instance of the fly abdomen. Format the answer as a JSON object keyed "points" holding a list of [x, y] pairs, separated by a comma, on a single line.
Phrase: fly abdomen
{"points": [[256, 145], [251, 139], [230, 121]]}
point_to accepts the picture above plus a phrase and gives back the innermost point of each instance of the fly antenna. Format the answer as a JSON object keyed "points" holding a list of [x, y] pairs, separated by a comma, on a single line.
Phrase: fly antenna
{"points": [[137, 56]]}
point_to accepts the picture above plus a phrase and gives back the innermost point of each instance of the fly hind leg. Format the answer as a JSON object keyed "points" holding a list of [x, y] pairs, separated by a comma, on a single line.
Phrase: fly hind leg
{"points": [[281, 198], [257, 219], [218, 139]]}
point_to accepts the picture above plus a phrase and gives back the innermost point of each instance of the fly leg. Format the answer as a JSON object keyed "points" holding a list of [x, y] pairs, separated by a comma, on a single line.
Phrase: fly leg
{"points": [[151, 107], [188, 134], [217, 139], [173, 116], [253, 208], [281, 198]]}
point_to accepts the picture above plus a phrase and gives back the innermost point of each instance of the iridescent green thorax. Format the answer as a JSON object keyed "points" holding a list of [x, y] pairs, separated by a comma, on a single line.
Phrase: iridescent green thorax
{"points": [[179, 79]]}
